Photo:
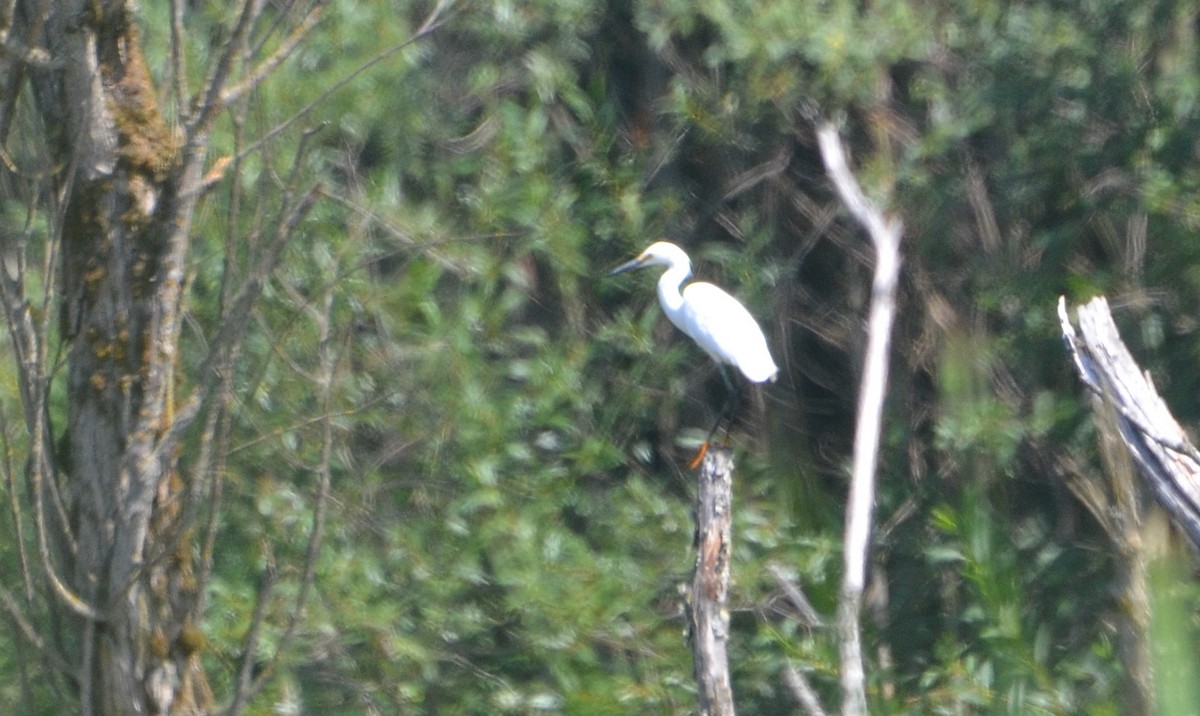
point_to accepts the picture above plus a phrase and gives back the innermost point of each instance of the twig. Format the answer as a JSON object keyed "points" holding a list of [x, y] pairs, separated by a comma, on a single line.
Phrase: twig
{"points": [[31, 634], [331, 353], [885, 233], [214, 87], [432, 22], [808, 615], [178, 58], [249, 651], [281, 53]]}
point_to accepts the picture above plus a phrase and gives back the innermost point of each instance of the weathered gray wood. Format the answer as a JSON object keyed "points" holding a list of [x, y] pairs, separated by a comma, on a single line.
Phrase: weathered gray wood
{"points": [[1168, 461], [1135, 428], [707, 604], [886, 233]]}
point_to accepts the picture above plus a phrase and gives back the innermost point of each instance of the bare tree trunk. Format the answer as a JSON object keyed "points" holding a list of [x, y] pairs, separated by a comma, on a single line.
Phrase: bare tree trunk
{"points": [[110, 510], [126, 567], [708, 610], [885, 234]]}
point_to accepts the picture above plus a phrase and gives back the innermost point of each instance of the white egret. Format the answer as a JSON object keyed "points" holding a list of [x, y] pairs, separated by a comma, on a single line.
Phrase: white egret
{"points": [[716, 321]]}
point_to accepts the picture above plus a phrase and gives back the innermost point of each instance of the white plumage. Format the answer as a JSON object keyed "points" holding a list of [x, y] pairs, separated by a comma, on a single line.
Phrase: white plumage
{"points": [[716, 321]]}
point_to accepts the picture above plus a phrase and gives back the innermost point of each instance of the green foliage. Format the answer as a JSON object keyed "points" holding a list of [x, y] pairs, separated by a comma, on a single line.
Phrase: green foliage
{"points": [[1173, 628], [510, 530], [510, 520]]}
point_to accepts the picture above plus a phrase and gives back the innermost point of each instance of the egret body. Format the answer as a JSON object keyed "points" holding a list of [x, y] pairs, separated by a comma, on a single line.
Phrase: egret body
{"points": [[716, 321]]}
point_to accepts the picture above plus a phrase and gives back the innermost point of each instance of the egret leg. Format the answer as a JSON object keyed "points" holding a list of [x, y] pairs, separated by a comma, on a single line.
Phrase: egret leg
{"points": [[732, 394]]}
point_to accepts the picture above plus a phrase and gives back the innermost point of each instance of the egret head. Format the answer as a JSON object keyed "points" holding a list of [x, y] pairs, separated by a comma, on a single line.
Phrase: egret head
{"points": [[661, 253]]}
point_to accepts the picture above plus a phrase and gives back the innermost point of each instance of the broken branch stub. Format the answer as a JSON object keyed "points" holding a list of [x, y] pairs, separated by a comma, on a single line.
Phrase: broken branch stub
{"points": [[1166, 459]]}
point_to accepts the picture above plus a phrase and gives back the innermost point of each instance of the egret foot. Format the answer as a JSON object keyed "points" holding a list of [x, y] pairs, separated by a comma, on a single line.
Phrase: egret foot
{"points": [[721, 419]]}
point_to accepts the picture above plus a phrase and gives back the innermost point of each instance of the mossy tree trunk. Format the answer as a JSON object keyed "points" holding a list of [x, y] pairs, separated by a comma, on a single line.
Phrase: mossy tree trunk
{"points": [[122, 556], [97, 196]]}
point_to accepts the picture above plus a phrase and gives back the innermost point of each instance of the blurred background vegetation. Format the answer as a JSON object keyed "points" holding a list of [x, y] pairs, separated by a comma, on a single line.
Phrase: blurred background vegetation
{"points": [[511, 517]]}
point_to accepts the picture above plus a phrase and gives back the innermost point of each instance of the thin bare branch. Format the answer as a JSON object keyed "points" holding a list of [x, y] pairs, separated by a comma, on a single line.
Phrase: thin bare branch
{"points": [[208, 472], [40, 465], [214, 86], [981, 206], [31, 635], [885, 233], [808, 615], [179, 84], [14, 507], [432, 22], [249, 652], [278, 57], [331, 355], [427, 249], [233, 328], [805, 694]]}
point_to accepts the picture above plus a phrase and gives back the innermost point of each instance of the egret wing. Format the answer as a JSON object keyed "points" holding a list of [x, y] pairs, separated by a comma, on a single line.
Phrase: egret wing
{"points": [[723, 327]]}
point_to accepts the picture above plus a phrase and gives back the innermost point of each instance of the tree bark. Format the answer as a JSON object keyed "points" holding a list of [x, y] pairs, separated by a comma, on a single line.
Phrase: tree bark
{"points": [[126, 565], [111, 512], [708, 610]]}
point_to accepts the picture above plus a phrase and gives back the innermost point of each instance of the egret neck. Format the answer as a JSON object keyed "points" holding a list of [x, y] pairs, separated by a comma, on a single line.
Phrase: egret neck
{"points": [[669, 295]]}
